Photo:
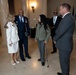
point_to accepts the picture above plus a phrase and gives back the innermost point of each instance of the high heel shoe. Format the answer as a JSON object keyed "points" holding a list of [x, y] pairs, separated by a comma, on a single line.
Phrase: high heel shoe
{"points": [[13, 63], [17, 61]]}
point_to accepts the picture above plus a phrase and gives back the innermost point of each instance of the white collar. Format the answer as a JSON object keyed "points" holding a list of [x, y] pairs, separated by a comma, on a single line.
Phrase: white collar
{"points": [[55, 16], [65, 14]]}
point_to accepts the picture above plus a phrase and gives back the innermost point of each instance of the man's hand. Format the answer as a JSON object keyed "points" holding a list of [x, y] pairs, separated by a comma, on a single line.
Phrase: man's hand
{"points": [[29, 36], [54, 42]]}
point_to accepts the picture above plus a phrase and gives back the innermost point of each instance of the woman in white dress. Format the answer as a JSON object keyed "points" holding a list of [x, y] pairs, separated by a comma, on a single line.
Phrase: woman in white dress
{"points": [[12, 39]]}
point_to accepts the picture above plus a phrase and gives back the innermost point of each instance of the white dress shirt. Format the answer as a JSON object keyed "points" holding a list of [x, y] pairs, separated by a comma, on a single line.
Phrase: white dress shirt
{"points": [[21, 18], [54, 19]]}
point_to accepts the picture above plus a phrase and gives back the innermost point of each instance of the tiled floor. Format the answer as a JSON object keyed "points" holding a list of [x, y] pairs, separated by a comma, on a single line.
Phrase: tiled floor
{"points": [[33, 67]]}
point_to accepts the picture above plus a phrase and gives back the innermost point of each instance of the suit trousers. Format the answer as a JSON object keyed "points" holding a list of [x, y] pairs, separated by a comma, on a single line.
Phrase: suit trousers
{"points": [[65, 61], [23, 43], [41, 50]]}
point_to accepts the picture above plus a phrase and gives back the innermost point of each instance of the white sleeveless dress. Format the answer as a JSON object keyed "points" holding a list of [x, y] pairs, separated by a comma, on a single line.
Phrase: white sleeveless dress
{"points": [[12, 37]]}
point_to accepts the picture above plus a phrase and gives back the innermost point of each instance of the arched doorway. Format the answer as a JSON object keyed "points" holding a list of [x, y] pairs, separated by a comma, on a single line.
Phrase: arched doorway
{"points": [[11, 6]]}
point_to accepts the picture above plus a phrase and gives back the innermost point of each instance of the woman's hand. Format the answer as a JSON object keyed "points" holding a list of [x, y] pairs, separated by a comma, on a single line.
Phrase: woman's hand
{"points": [[10, 44], [45, 42], [35, 40]]}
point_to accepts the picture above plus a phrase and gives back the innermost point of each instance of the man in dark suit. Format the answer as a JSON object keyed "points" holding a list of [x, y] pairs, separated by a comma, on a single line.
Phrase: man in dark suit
{"points": [[64, 38], [54, 22], [23, 32]]}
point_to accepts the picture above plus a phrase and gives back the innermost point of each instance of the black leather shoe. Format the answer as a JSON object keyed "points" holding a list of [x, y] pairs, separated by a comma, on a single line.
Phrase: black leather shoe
{"points": [[23, 59], [53, 52], [39, 59], [43, 63], [59, 73], [28, 57]]}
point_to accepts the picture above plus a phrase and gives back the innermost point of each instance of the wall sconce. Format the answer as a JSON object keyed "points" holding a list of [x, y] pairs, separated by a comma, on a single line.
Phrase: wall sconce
{"points": [[33, 6], [33, 9]]}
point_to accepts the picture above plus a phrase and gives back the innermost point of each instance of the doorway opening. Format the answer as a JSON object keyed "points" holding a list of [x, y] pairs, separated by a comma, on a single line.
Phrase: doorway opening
{"points": [[11, 6]]}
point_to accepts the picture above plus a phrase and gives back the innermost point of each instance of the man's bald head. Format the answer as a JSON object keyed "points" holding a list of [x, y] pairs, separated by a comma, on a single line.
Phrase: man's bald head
{"points": [[21, 12]]}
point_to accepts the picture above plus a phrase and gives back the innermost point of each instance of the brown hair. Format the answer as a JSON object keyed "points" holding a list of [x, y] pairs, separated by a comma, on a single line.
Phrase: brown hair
{"points": [[66, 5]]}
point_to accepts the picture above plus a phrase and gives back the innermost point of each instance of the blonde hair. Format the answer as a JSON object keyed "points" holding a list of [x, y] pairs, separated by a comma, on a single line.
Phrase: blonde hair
{"points": [[9, 19]]}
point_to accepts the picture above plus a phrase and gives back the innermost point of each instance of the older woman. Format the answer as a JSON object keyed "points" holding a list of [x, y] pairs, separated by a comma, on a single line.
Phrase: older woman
{"points": [[42, 36], [12, 39]]}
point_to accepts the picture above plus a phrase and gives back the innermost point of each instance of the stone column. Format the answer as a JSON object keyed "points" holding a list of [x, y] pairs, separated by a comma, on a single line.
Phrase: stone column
{"points": [[4, 12], [25, 7]]}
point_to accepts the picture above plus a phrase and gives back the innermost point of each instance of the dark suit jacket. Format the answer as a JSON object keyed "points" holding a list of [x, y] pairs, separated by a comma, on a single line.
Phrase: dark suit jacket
{"points": [[54, 27], [64, 33], [23, 27]]}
